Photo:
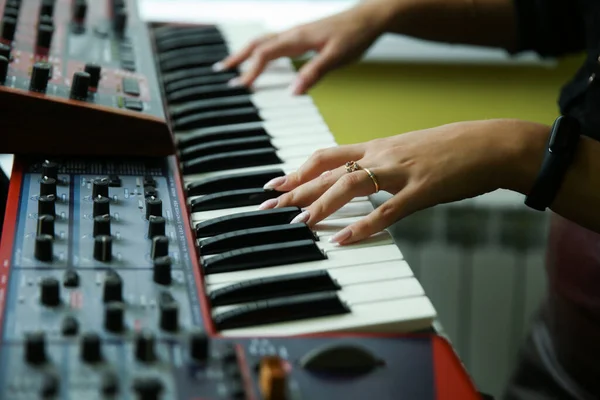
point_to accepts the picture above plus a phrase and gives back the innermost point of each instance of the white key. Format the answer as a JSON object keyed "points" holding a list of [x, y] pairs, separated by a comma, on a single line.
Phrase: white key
{"points": [[268, 99], [358, 256], [286, 168]]}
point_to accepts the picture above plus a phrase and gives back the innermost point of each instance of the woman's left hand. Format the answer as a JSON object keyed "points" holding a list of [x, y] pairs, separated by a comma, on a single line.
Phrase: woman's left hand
{"points": [[421, 169]]}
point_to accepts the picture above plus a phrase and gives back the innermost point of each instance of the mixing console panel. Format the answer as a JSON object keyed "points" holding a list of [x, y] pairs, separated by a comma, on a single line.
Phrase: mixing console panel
{"points": [[75, 74]]}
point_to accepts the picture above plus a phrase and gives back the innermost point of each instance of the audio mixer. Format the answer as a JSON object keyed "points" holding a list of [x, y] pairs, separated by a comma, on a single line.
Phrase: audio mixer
{"points": [[75, 75]]}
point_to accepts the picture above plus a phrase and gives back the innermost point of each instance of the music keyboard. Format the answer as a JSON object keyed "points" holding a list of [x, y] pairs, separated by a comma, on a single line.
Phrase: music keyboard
{"points": [[262, 274]]}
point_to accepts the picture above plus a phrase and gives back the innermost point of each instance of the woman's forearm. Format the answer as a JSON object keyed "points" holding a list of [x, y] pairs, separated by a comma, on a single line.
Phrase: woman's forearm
{"points": [[477, 22]]}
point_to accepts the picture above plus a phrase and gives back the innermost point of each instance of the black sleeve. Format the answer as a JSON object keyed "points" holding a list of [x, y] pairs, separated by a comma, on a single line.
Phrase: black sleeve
{"points": [[550, 27]]}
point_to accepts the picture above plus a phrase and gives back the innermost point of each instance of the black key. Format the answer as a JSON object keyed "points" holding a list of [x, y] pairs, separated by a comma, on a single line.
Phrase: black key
{"points": [[199, 60], [231, 160], [220, 146], [281, 310], [254, 179], [269, 255], [180, 84], [175, 32], [176, 76], [248, 220], [216, 118], [205, 92], [273, 287], [222, 133], [189, 40], [256, 237], [192, 52], [233, 198]]}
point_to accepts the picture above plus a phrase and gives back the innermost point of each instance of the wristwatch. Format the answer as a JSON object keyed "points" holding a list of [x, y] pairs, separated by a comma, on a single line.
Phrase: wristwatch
{"points": [[560, 151]]}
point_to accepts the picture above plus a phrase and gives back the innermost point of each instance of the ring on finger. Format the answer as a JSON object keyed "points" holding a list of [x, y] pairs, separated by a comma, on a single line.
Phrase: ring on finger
{"points": [[353, 166]]}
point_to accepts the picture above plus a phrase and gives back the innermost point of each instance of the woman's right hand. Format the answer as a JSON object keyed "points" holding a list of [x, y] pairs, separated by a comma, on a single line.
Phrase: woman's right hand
{"points": [[338, 40]]}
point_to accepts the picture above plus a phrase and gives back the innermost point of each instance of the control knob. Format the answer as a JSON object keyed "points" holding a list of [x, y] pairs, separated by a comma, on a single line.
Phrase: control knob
{"points": [[47, 205], [44, 36], [35, 348], [47, 7], [153, 207], [50, 169], [162, 270], [169, 316], [103, 248], [48, 186], [100, 187], [148, 388], [9, 27], [102, 225], [101, 206], [145, 342], [199, 346], [113, 288], [80, 85], [94, 71], [45, 225], [5, 50], [3, 69], [114, 315], [91, 351], [160, 247], [43, 248], [156, 226], [50, 292], [120, 20], [79, 10], [40, 75]]}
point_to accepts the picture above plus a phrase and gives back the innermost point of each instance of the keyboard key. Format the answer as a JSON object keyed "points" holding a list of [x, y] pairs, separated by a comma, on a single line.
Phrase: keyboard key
{"points": [[247, 220]]}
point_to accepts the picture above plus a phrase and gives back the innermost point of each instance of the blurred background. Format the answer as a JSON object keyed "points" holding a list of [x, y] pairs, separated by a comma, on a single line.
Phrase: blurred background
{"points": [[480, 261]]}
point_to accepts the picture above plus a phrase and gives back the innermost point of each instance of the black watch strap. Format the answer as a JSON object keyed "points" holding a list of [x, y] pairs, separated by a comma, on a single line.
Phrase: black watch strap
{"points": [[560, 151]]}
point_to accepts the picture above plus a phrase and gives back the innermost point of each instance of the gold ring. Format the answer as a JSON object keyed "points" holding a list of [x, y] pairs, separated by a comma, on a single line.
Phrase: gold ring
{"points": [[352, 166], [373, 178]]}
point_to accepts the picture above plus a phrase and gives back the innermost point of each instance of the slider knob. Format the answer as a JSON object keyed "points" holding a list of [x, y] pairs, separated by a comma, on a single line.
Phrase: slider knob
{"points": [[145, 342], [156, 226], [101, 206], [103, 248], [102, 225], [40, 75], [48, 186], [90, 348], [94, 71], [50, 169], [47, 205], [162, 270], [5, 50], [100, 187], [44, 36], [114, 315], [3, 69], [9, 27], [43, 248], [80, 85], [199, 346], [160, 247], [35, 348], [45, 225], [50, 292]]}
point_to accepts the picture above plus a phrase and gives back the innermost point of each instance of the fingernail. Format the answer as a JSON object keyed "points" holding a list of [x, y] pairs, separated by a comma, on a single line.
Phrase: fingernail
{"points": [[293, 89], [275, 182], [271, 203], [300, 218], [235, 82], [341, 236], [218, 66]]}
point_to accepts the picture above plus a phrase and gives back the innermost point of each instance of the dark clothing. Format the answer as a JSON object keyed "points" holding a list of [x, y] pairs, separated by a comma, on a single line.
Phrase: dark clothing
{"points": [[561, 358]]}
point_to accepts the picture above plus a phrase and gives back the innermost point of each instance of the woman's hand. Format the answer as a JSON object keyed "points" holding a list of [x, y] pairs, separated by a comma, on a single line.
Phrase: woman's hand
{"points": [[338, 39], [421, 169]]}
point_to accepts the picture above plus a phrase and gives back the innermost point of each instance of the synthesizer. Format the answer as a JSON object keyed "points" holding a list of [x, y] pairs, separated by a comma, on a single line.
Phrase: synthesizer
{"points": [[75, 75]]}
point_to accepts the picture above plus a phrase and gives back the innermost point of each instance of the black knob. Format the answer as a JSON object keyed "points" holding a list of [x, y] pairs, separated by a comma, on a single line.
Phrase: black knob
{"points": [[120, 20], [169, 316], [9, 26], [45, 225], [44, 36], [114, 317], [79, 10], [91, 348], [35, 348], [162, 270], [5, 50], [103, 248], [153, 207], [160, 247], [50, 292], [50, 169], [70, 326], [71, 278], [100, 187], [148, 388], [50, 386], [43, 248], [109, 386], [40, 76], [156, 226], [94, 70], [3, 69], [47, 205], [113, 288], [145, 341], [80, 85], [199, 346], [48, 186], [101, 206], [47, 7], [102, 225]]}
